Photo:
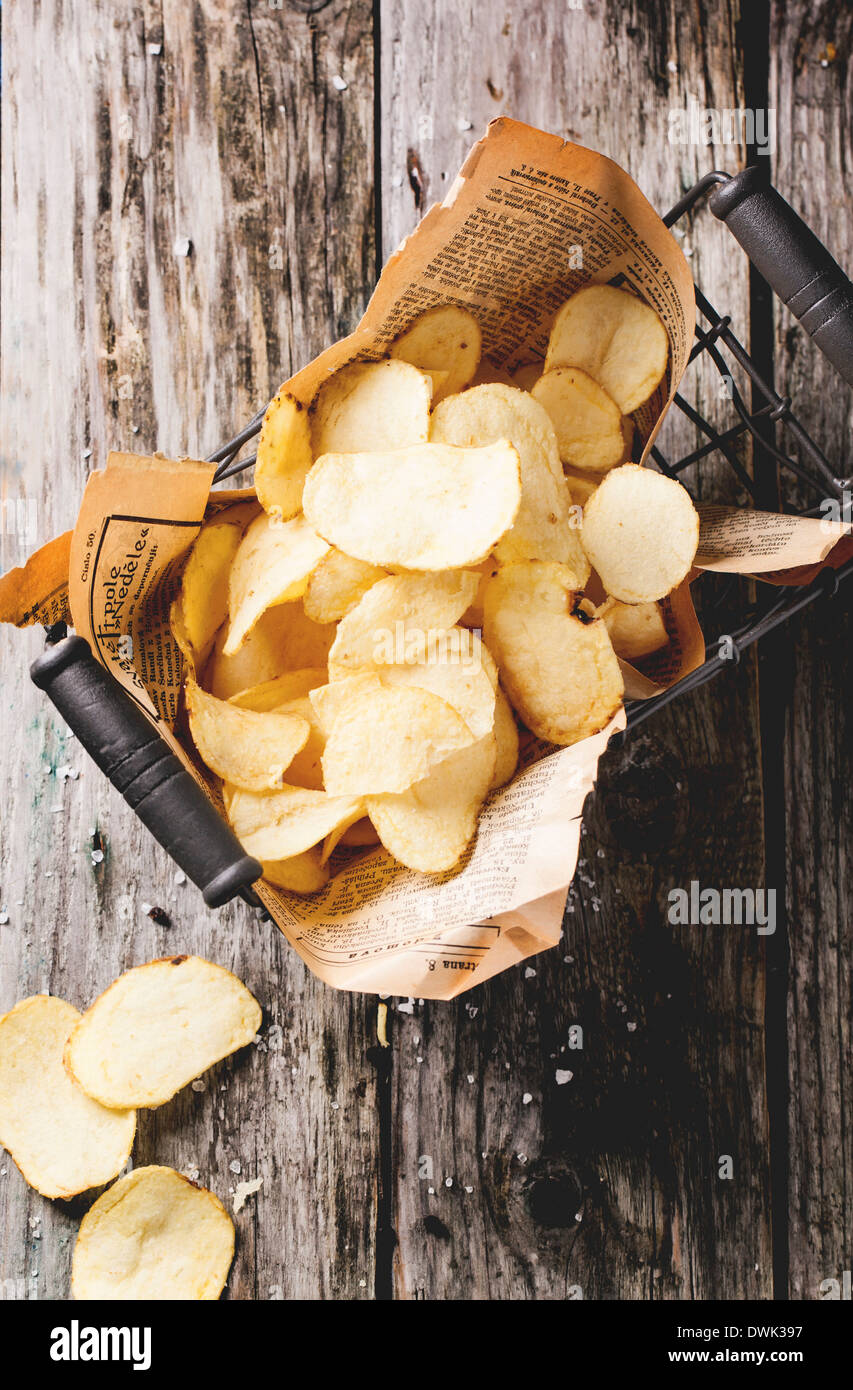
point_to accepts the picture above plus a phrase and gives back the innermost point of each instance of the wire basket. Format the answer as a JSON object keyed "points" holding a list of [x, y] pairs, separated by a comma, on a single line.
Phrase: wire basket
{"points": [[801, 272]]}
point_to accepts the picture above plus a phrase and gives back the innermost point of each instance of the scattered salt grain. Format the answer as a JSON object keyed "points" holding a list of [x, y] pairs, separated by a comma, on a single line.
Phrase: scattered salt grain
{"points": [[155, 49], [339, 84], [470, 1079], [464, 125], [632, 1027], [407, 1008], [563, 1076], [4, 917], [529, 973], [180, 877], [199, 1085], [235, 1165], [526, 1098], [182, 246], [448, 1182]]}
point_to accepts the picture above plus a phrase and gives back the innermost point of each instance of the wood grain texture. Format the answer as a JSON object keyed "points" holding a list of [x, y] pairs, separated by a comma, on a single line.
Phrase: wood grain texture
{"points": [[128, 127], [510, 1184], [811, 86]]}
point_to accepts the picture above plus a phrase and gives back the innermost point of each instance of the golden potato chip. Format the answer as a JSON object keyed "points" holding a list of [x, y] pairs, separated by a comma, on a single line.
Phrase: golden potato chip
{"points": [[357, 836], [282, 640], [444, 339], [337, 584], [157, 1028], [153, 1235], [275, 694], [557, 665], [457, 669], [178, 629], [430, 826], [636, 629], [615, 337], [394, 619], [284, 456], [385, 738], [303, 873], [506, 738], [306, 770], [245, 747], [370, 406], [640, 531], [428, 507], [587, 423], [272, 566], [541, 528], [204, 585], [287, 822], [63, 1141]]}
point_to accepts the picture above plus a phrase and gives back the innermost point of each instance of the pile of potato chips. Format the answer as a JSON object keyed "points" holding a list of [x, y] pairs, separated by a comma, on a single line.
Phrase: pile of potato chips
{"points": [[70, 1085], [443, 552]]}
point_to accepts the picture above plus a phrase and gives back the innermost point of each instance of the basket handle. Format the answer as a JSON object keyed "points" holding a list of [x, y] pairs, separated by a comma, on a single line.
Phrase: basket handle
{"points": [[792, 260], [141, 765]]}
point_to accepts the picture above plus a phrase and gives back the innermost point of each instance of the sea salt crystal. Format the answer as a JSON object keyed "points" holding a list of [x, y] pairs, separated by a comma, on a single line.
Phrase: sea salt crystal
{"points": [[339, 84], [235, 1165], [563, 1076]]}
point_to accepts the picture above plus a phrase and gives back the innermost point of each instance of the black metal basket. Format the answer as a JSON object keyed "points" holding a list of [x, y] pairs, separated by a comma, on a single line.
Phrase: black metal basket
{"points": [[799, 270]]}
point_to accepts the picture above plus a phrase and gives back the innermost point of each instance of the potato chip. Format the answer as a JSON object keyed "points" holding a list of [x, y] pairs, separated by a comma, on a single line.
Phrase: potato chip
{"points": [[446, 339], [157, 1028], [454, 668], [153, 1235], [640, 531], [430, 826], [306, 770], [63, 1141], [245, 747], [303, 873], [587, 423], [428, 507], [557, 665], [357, 836], [274, 694], [283, 640], [284, 456], [337, 584], [489, 413], [204, 585], [615, 337], [285, 823], [385, 738], [506, 738], [271, 567], [370, 406], [394, 619], [178, 629], [636, 629]]}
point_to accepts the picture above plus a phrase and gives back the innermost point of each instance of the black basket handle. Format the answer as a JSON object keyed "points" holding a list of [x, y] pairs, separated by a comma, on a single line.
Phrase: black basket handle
{"points": [[792, 260], [141, 765]]}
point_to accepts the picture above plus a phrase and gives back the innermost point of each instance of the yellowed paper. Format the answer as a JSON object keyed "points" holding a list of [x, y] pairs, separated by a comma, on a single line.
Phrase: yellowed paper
{"points": [[736, 541]]}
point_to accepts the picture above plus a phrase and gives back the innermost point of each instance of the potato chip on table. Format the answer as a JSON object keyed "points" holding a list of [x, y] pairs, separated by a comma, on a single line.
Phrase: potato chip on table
{"points": [[157, 1028], [153, 1235], [62, 1140]]}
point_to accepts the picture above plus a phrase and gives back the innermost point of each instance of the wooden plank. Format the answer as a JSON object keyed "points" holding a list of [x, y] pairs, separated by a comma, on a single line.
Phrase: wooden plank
{"points": [[809, 48], [508, 1184], [142, 126]]}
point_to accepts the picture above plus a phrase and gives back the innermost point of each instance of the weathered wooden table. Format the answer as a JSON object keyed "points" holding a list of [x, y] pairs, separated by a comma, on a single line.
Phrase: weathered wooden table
{"points": [[196, 199]]}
